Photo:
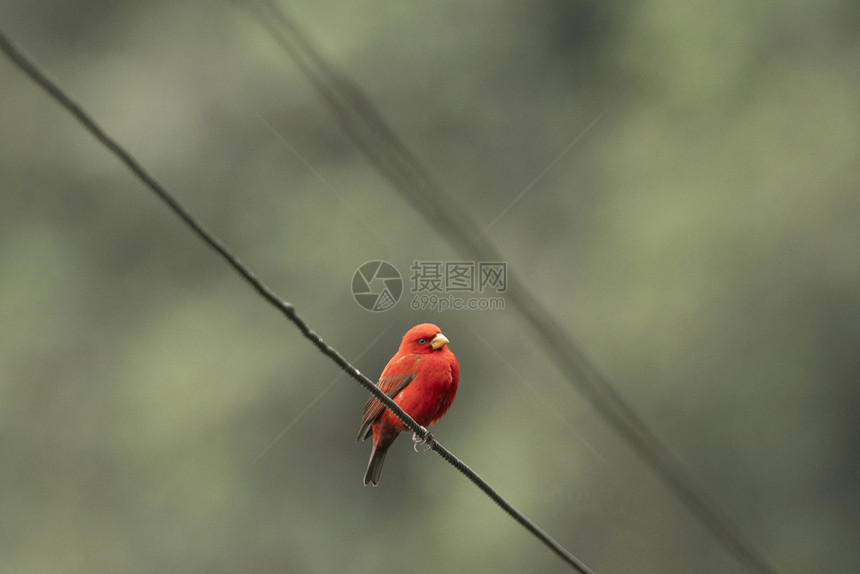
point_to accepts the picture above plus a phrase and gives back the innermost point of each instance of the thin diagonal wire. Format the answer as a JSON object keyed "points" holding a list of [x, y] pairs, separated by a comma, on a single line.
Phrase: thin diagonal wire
{"points": [[310, 404], [531, 387], [319, 176], [372, 135], [65, 101], [360, 120], [539, 177]]}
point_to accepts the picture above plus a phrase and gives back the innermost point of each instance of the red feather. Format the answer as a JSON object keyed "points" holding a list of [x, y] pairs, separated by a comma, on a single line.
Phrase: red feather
{"points": [[422, 379]]}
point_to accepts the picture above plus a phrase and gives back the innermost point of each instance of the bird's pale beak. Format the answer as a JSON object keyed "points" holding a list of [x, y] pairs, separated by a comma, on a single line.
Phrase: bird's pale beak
{"points": [[439, 341]]}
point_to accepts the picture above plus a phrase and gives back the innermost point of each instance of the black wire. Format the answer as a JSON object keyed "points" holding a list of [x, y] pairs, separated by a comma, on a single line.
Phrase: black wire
{"points": [[365, 125], [287, 309], [513, 512]]}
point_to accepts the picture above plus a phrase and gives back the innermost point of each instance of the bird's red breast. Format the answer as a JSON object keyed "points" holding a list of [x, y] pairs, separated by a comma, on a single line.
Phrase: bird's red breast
{"points": [[422, 379]]}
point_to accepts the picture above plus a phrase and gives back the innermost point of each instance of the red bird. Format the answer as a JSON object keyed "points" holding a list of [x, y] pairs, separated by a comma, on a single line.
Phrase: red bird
{"points": [[422, 379]]}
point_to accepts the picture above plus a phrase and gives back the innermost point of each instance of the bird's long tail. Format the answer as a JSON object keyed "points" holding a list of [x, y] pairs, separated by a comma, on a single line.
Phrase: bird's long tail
{"points": [[374, 466]]}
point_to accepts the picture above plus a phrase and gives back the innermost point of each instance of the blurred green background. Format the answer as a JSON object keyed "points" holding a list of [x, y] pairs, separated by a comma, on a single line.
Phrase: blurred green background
{"points": [[701, 242]]}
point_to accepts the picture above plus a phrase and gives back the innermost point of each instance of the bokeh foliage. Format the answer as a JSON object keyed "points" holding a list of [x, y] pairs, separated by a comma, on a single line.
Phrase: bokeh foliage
{"points": [[700, 242]]}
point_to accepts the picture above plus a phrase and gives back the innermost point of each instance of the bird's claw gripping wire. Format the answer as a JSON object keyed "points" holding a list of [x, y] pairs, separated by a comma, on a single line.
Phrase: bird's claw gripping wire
{"points": [[427, 441]]}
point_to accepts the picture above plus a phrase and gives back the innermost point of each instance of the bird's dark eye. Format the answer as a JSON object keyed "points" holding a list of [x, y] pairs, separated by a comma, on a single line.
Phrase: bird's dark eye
{"points": [[422, 341]]}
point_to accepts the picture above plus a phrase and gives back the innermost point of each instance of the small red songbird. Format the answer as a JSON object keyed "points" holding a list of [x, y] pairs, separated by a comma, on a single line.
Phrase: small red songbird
{"points": [[422, 379]]}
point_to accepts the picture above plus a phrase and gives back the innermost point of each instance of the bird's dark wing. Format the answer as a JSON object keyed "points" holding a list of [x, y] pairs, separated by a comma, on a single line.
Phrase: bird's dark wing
{"points": [[390, 385]]}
